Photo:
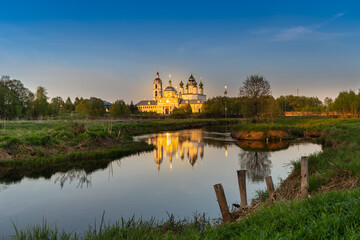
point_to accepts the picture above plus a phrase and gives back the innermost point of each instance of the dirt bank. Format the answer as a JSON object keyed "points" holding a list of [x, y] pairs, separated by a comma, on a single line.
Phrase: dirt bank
{"points": [[271, 135]]}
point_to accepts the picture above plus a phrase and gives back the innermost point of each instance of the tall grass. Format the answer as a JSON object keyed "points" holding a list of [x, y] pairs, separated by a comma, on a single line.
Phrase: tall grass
{"points": [[123, 229], [334, 215]]}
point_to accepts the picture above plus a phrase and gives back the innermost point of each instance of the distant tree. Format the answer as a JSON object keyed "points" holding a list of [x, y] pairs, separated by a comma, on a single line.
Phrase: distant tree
{"points": [[284, 104], [55, 105], [77, 101], [40, 104], [328, 104], [68, 106], [256, 89], [299, 103], [215, 107], [119, 108], [272, 109], [347, 103], [93, 107], [15, 99], [8, 103], [344, 101], [133, 108]]}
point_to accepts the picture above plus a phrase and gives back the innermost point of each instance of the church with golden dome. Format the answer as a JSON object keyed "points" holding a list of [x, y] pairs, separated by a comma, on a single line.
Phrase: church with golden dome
{"points": [[165, 100]]}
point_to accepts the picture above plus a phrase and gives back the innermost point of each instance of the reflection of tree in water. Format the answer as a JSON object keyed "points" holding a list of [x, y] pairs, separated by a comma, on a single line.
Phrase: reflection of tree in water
{"points": [[3, 187], [79, 175], [257, 165]]}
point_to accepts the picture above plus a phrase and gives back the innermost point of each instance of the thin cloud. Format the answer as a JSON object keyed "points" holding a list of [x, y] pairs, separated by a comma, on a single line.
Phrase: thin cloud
{"points": [[292, 33], [336, 16], [302, 32]]}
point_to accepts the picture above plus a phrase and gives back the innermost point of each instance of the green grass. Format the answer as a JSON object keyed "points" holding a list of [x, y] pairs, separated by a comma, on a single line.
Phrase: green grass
{"points": [[335, 215], [33, 139], [36, 148], [340, 157]]}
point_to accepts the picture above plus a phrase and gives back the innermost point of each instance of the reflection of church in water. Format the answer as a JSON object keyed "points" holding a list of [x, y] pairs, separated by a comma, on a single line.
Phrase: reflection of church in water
{"points": [[173, 145]]}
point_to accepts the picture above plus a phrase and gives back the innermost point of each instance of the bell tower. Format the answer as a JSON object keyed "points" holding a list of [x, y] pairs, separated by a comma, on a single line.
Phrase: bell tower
{"points": [[157, 90]]}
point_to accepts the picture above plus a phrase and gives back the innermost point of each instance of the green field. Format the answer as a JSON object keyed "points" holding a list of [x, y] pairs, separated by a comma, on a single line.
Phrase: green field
{"points": [[42, 148]]}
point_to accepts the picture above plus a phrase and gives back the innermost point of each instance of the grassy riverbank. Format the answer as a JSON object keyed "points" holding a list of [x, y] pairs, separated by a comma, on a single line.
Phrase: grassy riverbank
{"points": [[331, 213], [42, 148], [26, 140], [336, 167]]}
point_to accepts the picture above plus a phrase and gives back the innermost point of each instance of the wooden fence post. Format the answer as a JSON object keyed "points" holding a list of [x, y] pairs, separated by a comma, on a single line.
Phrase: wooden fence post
{"points": [[304, 177], [241, 174], [224, 208], [270, 186]]}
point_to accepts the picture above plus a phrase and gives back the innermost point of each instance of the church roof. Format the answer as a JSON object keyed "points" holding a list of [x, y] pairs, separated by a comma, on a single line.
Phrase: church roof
{"points": [[191, 78], [157, 77], [169, 88], [146, 102], [192, 101]]}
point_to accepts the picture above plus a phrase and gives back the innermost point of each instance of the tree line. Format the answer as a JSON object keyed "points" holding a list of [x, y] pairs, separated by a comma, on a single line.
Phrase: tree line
{"points": [[18, 102], [254, 100]]}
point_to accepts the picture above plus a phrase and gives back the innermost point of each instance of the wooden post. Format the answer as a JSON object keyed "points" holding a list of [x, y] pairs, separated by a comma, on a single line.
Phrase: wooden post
{"points": [[270, 186], [224, 208], [304, 177], [241, 174]]}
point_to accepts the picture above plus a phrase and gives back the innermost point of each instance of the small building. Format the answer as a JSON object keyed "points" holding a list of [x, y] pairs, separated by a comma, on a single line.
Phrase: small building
{"points": [[165, 100], [107, 105]]}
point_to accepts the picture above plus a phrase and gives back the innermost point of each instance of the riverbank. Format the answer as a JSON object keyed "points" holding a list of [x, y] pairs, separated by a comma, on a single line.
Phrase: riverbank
{"points": [[336, 167], [324, 215], [334, 215], [32, 148], [29, 140]]}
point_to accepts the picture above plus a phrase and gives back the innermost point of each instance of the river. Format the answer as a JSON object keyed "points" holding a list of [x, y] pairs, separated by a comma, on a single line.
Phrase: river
{"points": [[177, 177]]}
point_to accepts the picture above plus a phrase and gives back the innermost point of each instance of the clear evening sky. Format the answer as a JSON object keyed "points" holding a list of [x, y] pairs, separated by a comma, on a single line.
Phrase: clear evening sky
{"points": [[112, 49]]}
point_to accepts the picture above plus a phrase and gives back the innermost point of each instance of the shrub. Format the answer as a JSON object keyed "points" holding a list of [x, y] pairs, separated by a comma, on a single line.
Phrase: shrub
{"points": [[77, 128]]}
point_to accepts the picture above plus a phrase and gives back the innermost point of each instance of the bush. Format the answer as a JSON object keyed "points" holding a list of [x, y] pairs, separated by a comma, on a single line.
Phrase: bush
{"points": [[182, 112], [77, 128]]}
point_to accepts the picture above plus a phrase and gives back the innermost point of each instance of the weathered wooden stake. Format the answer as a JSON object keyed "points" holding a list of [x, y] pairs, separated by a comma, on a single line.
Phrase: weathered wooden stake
{"points": [[270, 186], [241, 174], [304, 177], [224, 208]]}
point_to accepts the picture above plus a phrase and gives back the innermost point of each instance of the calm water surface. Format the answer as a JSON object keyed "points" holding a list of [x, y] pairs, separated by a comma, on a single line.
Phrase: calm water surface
{"points": [[177, 177]]}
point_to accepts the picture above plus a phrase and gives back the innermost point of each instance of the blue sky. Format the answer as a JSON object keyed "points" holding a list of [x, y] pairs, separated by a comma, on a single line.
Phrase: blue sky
{"points": [[112, 49]]}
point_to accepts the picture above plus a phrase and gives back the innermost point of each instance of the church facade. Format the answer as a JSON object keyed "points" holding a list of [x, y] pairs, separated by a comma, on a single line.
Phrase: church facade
{"points": [[165, 100]]}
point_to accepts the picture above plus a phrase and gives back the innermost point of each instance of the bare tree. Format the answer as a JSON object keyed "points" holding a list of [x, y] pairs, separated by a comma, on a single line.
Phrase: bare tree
{"points": [[256, 89], [257, 165]]}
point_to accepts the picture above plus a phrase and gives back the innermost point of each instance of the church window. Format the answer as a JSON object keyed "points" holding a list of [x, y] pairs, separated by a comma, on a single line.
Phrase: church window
{"points": [[155, 85], [155, 93]]}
